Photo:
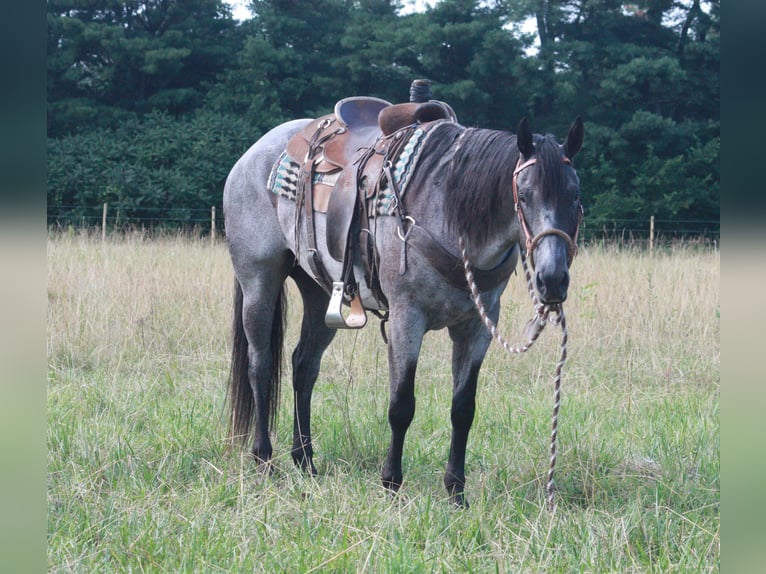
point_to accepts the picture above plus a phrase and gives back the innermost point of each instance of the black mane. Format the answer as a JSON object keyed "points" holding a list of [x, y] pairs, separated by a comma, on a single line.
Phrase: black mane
{"points": [[548, 153], [479, 182]]}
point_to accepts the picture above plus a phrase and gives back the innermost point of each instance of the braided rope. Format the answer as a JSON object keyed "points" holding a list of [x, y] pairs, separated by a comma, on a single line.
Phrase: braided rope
{"points": [[550, 487], [534, 327]]}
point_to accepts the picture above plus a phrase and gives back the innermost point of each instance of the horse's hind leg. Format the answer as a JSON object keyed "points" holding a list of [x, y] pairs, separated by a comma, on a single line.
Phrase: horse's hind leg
{"points": [[314, 339], [469, 345], [262, 321]]}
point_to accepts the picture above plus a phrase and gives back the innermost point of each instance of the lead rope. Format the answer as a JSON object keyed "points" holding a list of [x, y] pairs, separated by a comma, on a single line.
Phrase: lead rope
{"points": [[534, 327]]}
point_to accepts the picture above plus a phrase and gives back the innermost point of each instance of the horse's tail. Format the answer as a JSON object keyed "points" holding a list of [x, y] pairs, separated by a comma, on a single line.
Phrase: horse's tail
{"points": [[241, 398]]}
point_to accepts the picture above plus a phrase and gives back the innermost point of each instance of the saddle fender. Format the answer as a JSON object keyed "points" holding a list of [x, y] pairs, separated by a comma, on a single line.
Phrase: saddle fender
{"points": [[340, 212]]}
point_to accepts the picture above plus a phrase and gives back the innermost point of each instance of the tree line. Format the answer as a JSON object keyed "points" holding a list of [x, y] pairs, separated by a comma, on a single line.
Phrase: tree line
{"points": [[150, 102]]}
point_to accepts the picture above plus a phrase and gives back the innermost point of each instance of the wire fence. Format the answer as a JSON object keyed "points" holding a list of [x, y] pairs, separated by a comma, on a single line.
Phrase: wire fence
{"points": [[109, 219]]}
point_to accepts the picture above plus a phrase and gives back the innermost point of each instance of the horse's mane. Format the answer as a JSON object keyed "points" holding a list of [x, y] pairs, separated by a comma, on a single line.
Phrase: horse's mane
{"points": [[478, 177]]}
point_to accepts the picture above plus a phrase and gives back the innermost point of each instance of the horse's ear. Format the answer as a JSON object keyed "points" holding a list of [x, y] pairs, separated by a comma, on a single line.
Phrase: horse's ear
{"points": [[574, 138], [524, 138]]}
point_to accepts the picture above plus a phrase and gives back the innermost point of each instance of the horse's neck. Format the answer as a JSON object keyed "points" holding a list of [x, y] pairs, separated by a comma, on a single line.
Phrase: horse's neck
{"points": [[503, 233], [502, 224], [487, 255], [494, 251]]}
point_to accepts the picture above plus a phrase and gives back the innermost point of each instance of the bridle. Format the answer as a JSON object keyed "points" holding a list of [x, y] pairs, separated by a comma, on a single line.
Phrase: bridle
{"points": [[531, 242], [544, 314]]}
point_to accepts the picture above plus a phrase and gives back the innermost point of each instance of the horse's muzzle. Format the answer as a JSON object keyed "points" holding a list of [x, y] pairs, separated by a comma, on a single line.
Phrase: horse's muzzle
{"points": [[552, 285], [551, 265]]}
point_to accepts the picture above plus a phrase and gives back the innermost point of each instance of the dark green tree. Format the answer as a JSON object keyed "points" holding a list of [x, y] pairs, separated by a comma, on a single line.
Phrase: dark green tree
{"points": [[132, 84], [151, 169], [371, 61], [475, 63], [287, 67], [646, 83], [109, 60]]}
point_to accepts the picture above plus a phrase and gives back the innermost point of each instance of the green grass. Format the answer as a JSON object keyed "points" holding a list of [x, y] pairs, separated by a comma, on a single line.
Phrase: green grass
{"points": [[140, 479]]}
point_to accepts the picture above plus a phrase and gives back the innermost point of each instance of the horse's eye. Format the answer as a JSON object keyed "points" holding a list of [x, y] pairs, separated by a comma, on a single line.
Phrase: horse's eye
{"points": [[523, 199]]}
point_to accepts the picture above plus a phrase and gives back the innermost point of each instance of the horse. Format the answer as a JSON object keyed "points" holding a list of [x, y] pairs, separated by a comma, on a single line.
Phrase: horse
{"points": [[496, 193]]}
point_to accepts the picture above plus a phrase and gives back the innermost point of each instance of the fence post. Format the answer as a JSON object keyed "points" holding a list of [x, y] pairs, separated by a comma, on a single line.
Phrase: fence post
{"points": [[103, 224], [212, 225], [651, 235]]}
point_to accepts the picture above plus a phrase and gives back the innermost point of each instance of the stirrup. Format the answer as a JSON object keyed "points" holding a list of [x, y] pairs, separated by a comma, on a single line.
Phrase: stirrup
{"points": [[334, 319]]}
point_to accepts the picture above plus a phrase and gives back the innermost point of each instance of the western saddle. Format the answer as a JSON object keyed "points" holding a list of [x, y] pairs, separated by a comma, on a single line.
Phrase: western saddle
{"points": [[344, 156]]}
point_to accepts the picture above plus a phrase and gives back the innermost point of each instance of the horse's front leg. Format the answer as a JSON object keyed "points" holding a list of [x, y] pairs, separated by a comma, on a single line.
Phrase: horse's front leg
{"points": [[469, 345], [404, 342]]}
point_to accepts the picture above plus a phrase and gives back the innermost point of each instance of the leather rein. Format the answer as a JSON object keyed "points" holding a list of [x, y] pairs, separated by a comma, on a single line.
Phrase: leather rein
{"points": [[531, 242]]}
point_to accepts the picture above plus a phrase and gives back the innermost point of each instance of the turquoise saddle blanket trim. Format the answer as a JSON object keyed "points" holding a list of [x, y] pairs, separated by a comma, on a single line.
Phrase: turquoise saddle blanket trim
{"points": [[283, 179]]}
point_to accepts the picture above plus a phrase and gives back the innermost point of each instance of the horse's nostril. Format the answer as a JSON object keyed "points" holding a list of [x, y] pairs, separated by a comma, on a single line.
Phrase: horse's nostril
{"points": [[539, 283]]}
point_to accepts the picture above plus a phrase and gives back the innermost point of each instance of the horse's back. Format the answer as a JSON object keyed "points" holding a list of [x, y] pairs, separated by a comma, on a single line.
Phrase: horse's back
{"points": [[251, 171]]}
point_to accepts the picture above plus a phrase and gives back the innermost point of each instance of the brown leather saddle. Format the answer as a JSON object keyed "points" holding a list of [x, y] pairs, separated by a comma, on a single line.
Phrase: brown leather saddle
{"points": [[341, 157]]}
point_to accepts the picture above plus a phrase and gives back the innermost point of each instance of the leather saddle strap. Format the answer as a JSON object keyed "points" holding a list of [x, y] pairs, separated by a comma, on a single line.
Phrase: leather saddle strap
{"points": [[306, 196], [450, 266], [315, 262], [366, 236]]}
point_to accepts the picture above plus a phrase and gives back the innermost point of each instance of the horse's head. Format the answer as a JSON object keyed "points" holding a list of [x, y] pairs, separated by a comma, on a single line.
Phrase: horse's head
{"points": [[547, 196]]}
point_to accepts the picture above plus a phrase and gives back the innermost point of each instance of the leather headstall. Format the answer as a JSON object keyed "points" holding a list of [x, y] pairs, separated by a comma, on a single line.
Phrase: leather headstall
{"points": [[531, 242]]}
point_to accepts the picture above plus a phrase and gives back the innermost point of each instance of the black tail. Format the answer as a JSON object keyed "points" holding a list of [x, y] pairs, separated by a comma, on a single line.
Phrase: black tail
{"points": [[241, 399]]}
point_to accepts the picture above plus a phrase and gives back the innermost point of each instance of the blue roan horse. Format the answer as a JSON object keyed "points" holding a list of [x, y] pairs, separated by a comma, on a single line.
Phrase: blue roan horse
{"points": [[498, 191]]}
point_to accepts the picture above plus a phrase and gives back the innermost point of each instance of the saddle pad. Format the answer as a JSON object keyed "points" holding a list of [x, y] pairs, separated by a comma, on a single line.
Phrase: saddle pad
{"points": [[403, 168], [283, 179]]}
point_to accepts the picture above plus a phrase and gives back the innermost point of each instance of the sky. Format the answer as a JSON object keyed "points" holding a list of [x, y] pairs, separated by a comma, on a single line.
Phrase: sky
{"points": [[241, 12], [239, 9]]}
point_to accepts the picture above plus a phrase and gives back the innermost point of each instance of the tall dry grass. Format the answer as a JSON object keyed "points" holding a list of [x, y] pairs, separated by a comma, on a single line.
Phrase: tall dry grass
{"points": [[139, 478]]}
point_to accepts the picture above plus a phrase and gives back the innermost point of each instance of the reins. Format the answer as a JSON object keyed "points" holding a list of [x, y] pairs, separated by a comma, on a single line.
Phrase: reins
{"points": [[534, 327]]}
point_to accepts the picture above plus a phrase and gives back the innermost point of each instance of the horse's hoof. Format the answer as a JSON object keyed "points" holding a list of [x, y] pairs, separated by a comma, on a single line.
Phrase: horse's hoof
{"points": [[460, 501], [265, 467], [306, 465], [392, 485], [303, 457], [457, 495]]}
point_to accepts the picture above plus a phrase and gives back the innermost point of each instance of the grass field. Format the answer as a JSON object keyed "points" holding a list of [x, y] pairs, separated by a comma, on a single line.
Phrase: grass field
{"points": [[139, 477]]}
